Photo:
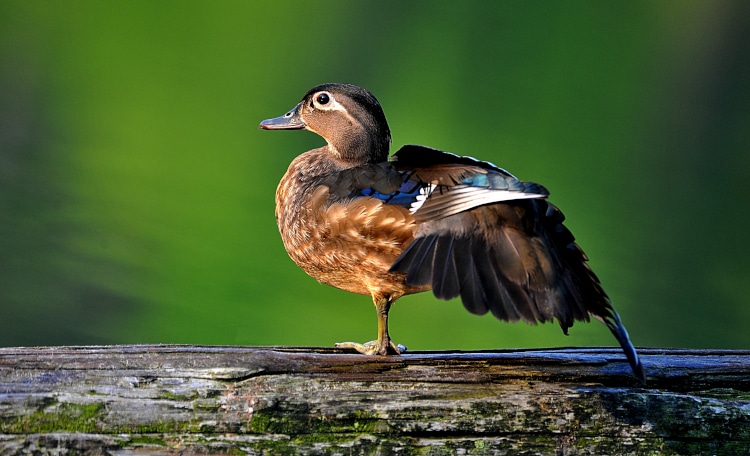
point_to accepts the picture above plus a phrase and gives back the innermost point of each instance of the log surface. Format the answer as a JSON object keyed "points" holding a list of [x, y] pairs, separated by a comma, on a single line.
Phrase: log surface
{"points": [[156, 399]]}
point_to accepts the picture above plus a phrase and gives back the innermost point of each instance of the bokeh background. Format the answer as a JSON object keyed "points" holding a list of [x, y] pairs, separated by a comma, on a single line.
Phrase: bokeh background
{"points": [[136, 192]]}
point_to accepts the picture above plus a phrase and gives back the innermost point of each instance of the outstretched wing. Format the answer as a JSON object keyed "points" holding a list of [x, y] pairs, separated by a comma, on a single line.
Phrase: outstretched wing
{"points": [[495, 242]]}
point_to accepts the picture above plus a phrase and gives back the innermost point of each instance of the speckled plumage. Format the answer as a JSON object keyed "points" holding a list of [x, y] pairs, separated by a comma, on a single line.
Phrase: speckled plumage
{"points": [[425, 220], [349, 243]]}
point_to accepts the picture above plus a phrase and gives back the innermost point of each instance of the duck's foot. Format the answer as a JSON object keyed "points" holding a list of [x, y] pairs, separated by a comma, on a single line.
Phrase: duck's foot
{"points": [[374, 347]]}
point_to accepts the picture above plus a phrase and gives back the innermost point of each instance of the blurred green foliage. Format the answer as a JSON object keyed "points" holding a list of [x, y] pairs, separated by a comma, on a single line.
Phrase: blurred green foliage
{"points": [[136, 193]]}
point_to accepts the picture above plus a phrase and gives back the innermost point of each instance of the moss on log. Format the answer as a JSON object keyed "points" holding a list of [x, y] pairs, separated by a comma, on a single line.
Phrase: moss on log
{"points": [[278, 400]]}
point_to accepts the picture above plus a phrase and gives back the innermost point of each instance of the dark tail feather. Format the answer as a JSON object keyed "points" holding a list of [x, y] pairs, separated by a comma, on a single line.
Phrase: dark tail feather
{"points": [[416, 261], [445, 283], [445, 263], [621, 334], [470, 285]]}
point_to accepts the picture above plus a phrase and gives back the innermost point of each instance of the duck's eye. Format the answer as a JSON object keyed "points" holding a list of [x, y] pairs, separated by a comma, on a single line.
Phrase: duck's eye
{"points": [[322, 99]]}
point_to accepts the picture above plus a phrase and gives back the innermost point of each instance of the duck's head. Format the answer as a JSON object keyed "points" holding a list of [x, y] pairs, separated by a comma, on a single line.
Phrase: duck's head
{"points": [[348, 117]]}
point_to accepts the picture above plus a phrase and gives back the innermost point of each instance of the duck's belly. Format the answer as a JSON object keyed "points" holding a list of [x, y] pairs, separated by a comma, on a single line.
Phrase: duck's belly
{"points": [[349, 244]]}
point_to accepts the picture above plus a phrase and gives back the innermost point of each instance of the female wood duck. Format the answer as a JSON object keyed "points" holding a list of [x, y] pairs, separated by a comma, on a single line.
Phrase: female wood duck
{"points": [[426, 219]]}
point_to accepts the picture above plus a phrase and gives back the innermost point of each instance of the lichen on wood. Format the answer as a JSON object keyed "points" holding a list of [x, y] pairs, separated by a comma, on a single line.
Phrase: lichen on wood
{"points": [[274, 400]]}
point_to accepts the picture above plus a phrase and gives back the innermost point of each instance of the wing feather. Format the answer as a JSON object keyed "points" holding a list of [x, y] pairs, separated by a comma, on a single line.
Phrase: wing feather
{"points": [[495, 241]]}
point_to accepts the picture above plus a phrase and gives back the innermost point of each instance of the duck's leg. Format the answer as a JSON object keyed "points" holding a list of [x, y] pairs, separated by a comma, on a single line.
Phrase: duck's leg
{"points": [[383, 345]]}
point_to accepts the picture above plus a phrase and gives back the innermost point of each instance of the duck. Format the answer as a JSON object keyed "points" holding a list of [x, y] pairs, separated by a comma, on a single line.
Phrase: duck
{"points": [[424, 219]]}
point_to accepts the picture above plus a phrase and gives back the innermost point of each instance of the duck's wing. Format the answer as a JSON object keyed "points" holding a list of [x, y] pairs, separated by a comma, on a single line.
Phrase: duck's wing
{"points": [[451, 184], [495, 242]]}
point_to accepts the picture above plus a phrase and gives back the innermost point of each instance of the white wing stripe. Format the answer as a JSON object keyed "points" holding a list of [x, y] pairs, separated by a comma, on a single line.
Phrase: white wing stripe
{"points": [[452, 200], [424, 193]]}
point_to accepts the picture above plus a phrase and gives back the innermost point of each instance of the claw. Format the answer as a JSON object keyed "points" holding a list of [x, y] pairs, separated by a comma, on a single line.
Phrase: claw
{"points": [[373, 347]]}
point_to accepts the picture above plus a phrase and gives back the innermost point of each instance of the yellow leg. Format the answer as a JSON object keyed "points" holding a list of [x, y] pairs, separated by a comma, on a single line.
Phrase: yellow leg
{"points": [[383, 345]]}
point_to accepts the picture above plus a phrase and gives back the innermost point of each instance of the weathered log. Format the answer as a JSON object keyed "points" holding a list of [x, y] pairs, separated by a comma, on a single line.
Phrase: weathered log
{"points": [[277, 400]]}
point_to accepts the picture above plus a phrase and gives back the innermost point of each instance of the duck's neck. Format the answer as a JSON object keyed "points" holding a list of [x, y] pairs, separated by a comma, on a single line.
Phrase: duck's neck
{"points": [[367, 146]]}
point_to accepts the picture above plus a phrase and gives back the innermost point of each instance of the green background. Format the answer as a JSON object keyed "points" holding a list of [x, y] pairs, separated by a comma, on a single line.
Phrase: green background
{"points": [[136, 192]]}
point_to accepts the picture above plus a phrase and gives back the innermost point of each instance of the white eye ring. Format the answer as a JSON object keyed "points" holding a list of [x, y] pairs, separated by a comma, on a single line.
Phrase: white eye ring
{"points": [[323, 100]]}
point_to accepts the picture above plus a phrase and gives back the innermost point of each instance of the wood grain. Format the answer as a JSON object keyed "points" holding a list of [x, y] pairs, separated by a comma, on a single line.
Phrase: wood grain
{"points": [[156, 399]]}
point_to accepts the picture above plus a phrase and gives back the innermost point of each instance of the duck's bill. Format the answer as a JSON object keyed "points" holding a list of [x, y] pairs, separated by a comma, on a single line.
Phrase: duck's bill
{"points": [[289, 121]]}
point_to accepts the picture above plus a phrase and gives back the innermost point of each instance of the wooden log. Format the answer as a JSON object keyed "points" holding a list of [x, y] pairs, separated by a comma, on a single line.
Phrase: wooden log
{"points": [[277, 400]]}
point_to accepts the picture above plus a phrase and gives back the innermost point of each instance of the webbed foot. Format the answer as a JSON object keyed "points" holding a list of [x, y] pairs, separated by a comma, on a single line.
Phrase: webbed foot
{"points": [[374, 347]]}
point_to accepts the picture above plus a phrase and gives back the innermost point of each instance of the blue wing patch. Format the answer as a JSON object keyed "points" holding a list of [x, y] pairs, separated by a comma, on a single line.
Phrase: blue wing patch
{"points": [[405, 196]]}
